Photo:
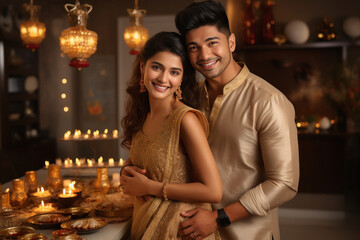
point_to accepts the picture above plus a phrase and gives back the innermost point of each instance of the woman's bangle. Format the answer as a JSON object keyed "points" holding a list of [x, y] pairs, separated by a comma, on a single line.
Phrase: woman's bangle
{"points": [[164, 193]]}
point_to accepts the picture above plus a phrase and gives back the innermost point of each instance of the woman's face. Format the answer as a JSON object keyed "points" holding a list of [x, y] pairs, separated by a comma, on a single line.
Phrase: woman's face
{"points": [[162, 75]]}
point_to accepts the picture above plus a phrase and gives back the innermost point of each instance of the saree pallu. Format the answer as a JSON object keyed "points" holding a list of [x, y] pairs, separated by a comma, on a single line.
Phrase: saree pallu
{"points": [[164, 158]]}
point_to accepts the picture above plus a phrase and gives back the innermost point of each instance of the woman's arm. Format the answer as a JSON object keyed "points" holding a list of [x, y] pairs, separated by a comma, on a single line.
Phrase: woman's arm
{"points": [[207, 187]]}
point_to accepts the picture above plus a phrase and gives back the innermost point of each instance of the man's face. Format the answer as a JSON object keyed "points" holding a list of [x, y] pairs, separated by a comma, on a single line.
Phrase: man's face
{"points": [[209, 50]]}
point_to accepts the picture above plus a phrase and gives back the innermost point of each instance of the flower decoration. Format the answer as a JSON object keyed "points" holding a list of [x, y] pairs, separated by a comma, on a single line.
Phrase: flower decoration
{"points": [[342, 90]]}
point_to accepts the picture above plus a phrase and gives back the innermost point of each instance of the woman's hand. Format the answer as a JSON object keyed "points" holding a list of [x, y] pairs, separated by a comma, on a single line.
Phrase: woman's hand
{"points": [[134, 181]]}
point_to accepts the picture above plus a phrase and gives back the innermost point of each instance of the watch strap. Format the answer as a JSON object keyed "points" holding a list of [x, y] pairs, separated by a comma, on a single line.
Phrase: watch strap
{"points": [[223, 219]]}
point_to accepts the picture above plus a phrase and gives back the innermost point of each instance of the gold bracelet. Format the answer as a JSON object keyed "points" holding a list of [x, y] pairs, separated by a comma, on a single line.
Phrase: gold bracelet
{"points": [[164, 193]]}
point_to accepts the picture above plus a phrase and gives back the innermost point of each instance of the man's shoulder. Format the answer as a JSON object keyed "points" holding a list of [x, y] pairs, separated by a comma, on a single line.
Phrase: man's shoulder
{"points": [[261, 86]]}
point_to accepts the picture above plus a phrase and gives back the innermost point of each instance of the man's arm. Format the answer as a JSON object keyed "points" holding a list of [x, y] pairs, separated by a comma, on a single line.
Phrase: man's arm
{"points": [[279, 150], [278, 140], [204, 222]]}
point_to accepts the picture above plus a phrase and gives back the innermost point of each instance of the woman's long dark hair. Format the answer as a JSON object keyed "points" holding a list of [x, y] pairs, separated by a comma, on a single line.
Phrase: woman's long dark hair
{"points": [[137, 105]]}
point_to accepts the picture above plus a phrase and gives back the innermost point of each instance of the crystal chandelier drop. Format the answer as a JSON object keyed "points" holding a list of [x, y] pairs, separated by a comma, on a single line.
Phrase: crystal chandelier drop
{"points": [[32, 31], [136, 35], [78, 42]]}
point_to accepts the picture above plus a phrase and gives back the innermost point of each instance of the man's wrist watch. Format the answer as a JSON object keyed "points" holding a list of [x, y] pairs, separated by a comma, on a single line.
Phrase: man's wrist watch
{"points": [[223, 219]]}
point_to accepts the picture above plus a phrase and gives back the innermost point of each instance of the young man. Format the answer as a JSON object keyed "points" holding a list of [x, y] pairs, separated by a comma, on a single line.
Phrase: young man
{"points": [[252, 133]]}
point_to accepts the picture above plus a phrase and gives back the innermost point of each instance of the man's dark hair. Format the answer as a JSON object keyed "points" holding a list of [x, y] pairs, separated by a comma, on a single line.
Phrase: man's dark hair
{"points": [[199, 14]]}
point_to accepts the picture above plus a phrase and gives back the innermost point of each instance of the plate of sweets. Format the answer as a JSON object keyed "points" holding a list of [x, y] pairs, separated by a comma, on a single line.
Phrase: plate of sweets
{"points": [[48, 219], [85, 225]]}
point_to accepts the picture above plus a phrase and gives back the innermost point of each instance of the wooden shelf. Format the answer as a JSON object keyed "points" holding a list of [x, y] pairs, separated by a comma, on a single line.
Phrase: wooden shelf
{"points": [[18, 65], [23, 96], [24, 121], [309, 45]]}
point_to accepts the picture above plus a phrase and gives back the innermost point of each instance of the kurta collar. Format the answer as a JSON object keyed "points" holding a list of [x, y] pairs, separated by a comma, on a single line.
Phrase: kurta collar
{"points": [[229, 87]]}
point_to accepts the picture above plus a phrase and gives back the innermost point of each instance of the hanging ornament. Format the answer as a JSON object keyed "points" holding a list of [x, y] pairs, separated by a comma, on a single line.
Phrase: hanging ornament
{"points": [[78, 42], [136, 35], [32, 31]]}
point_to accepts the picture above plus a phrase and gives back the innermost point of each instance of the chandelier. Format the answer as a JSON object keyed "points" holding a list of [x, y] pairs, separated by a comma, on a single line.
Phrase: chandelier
{"points": [[136, 35], [78, 42], [32, 32]]}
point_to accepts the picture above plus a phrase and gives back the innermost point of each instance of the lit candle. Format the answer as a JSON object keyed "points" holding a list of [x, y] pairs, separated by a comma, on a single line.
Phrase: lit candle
{"points": [[72, 185], [47, 164], [90, 163], [67, 135], [100, 161], [121, 162], [74, 189], [70, 162], [115, 133], [44, 207], [58, 162], [105, 133], [96, 133], [67, 162], [86, 136], [77, 162], [68, 194], [111, 162], [41, 192], [77, 133], [116, 179]]}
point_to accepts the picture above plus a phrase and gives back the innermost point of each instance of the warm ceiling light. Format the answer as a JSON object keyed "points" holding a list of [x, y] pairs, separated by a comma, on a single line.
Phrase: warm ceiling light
{"points": [[32, 32], [136, 35], [78, 42]]}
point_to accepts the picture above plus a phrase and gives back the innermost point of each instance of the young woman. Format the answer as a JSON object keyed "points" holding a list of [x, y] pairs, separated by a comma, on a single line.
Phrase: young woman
{"points": [[171, 168]]}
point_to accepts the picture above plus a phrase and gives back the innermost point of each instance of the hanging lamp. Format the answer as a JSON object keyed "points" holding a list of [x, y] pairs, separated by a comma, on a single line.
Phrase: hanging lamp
{"points": [[32, 31], [136, 35], [78, 42]]}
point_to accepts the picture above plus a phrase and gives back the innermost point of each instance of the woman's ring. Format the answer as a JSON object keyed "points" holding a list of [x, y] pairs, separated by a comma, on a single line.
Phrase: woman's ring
{"points": [[195, 235]]}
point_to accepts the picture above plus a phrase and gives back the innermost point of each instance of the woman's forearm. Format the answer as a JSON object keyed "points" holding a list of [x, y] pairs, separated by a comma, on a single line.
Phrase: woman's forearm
{"points": [[187, 192]]}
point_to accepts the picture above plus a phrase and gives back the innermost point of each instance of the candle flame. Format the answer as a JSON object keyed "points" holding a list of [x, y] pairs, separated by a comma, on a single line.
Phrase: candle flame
{"points": [[64, 191], [90, 163], [67, 135], [7, 190], [115, 133], [42, 203], [42, 189], [72, 185], [47, 163]]}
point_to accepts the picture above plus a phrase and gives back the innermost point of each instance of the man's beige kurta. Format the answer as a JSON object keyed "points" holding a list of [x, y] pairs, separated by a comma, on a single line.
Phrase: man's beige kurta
{"points": [[253, 137]]}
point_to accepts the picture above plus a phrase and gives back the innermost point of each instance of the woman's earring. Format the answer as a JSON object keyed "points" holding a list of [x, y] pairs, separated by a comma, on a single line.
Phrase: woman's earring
{"points": [[142, 85], [178, 93]]}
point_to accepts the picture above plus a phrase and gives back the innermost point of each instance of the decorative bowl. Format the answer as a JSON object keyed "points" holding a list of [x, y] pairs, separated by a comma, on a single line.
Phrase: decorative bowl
{"points": [[15, 232]]}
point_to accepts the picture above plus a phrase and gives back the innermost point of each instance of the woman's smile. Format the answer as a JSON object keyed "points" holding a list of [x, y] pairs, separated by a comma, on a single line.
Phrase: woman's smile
{"points": [[160, 88]]}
